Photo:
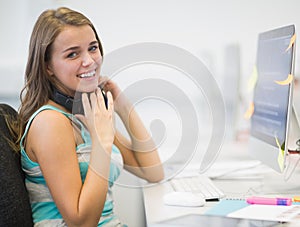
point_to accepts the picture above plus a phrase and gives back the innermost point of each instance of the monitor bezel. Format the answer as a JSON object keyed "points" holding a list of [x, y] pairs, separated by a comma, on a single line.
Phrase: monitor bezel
{"points": [[258, 148]]}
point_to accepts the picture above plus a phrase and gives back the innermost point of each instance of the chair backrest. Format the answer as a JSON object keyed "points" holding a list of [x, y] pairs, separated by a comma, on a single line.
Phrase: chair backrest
{"points": [[15, 207]]}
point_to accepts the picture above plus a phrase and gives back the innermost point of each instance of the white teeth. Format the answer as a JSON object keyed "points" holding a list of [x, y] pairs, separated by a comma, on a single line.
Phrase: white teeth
{"points": [[85, 75]]}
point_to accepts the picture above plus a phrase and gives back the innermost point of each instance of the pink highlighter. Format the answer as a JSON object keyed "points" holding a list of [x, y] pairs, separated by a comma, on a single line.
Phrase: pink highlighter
{"points": [[269, 201]]}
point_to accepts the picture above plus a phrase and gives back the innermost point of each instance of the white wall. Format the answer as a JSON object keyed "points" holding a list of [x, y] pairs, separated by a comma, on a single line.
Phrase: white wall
{"points": [[203, 27]]}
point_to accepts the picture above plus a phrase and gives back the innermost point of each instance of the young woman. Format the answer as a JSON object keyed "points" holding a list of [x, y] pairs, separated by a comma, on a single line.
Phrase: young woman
{"points": [[67, 157]]}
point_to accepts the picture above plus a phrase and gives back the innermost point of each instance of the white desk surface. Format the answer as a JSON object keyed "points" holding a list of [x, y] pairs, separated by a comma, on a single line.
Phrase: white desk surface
{"points": [[270, 183]]}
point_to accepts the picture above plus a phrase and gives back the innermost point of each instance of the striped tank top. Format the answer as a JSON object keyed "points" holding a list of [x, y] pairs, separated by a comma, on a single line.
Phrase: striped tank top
{"points": [[44, 210]]}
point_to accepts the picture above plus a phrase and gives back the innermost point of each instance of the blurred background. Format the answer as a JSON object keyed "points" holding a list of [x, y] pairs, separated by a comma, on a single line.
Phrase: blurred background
{"points": [[222, 34]]}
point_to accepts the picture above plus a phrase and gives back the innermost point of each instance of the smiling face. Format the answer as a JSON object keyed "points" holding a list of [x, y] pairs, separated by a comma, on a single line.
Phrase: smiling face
{"points": [[75, 60]]}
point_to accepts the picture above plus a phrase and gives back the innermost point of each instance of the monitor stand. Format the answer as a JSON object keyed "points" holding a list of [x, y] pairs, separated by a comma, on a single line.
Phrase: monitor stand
{"points": [[293, 146], [286, 182]]}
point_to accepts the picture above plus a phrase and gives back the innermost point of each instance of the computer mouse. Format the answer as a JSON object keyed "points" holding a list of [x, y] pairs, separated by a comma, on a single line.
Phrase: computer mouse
{"points": [[186, 199]]}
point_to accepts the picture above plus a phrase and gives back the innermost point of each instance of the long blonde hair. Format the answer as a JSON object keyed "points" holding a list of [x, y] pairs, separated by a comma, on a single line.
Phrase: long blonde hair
{"points": [[38, 86]]}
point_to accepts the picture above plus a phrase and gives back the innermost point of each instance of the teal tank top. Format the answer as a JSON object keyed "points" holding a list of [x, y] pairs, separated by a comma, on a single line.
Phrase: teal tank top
{"points": [[44, 210]]}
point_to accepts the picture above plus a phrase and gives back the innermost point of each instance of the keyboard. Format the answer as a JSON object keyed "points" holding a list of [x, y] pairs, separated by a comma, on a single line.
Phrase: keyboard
{"points": [[197, 184]]}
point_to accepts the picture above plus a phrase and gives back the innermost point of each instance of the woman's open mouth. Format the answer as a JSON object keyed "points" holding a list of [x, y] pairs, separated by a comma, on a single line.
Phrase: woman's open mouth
{"points": [[87, 75]]}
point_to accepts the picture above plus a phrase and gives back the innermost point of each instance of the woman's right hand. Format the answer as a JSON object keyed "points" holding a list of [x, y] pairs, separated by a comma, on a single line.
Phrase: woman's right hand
{"points": [[98, 119]]}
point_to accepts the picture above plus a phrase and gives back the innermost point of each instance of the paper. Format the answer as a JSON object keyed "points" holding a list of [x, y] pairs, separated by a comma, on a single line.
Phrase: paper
{"points": [[253, 79], [292, 41], [280, 160], [267, 212], [250, 111], [280, 157], [287, 81], [226, 206]]}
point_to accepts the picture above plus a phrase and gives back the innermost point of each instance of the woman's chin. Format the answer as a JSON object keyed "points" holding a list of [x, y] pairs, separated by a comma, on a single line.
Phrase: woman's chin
{"points": [[86, 89]]}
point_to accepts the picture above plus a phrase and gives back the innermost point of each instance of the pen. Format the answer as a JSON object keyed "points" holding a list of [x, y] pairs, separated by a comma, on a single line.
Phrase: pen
{"points": [[269, 201]]}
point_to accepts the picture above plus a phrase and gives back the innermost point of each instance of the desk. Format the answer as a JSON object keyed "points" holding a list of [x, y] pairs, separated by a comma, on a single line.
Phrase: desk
{"points": [[271, 183]]}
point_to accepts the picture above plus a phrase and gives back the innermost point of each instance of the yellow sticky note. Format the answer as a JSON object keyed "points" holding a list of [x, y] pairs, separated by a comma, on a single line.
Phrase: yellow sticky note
{"points": [[296, 199], [253, 79], [250, 111], [292, 41], [280, 157], [280, 160], [287, 81]]}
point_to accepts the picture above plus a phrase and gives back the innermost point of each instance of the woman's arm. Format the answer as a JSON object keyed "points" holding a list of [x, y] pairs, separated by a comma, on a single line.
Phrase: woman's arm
{"points": [[53, 145], [140, 153]]}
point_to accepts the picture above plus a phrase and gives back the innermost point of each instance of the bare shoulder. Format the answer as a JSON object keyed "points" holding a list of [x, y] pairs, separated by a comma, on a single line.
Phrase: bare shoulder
{"points": [[50, 129], [50, 120]]}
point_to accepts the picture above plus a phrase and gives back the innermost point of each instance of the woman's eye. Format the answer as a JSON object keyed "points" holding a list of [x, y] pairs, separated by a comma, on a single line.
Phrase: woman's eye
{"points": [[93, 48], [72, 55]]}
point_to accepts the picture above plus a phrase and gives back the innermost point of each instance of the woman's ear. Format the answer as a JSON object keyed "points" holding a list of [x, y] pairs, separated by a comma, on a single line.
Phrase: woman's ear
{"points": [[49, 70]]}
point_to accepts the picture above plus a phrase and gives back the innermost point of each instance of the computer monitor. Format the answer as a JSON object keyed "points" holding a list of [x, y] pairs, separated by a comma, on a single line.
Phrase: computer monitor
{"points": [[273, 97]]}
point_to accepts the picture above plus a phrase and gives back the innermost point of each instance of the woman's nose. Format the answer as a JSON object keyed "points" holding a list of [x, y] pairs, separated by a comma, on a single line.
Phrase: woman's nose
{"points": [[87, 60]]}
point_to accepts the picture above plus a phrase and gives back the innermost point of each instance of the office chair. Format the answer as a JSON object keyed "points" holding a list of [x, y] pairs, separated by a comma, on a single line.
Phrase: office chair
{"points": [[15, 207]]}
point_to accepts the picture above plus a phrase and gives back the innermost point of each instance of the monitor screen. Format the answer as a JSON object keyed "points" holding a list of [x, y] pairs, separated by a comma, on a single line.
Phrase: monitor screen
{"points": [[272, 97]]}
